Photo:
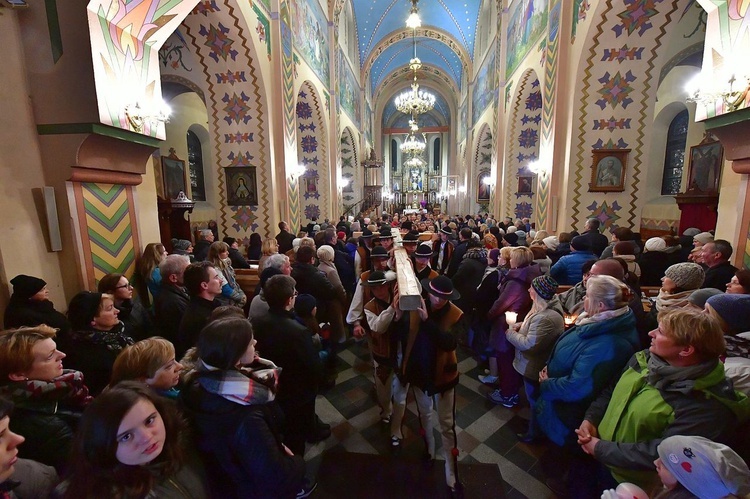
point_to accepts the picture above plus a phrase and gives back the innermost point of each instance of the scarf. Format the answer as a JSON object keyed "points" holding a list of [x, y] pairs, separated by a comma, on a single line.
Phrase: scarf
{"points": [[244, 386], [68, 388], [114, 340], [584, 318], [662, 375], [672, 300]]}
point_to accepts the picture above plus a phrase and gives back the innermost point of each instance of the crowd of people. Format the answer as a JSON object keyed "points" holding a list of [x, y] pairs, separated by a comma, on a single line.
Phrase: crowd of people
{"points": [[151, 386]]}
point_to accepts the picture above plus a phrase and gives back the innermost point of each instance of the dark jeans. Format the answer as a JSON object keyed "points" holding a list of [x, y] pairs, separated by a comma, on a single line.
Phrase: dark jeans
{"points": [[532, 393], [300, 423], [587, 477]]}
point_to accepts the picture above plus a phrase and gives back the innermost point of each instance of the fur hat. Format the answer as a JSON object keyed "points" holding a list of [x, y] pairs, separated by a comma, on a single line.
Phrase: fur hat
{"points": [[733, 310], [705, 468], [181, 244], [704, 237], [655, 244], [686, 275], [304, 304], [551, 242], [544, 286], [26, 286]]}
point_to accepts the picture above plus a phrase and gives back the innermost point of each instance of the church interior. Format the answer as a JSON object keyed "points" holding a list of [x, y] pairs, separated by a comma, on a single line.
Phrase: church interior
{"points": [[127, 122]]}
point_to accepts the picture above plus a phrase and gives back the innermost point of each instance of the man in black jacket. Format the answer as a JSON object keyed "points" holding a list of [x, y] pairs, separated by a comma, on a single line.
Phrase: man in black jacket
{"points": [[172, 302], [716, 256], [203, 284], [288, 344], [200, 250], [284, 238], [312, 281], [458, 254], [598, 242]]}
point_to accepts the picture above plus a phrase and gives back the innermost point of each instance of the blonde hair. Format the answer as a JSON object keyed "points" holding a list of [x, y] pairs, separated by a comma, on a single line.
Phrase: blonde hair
{"points": [[693, 327], [141, 360], [16, 346], [269, 247], [505, 252], [214, 251], [520, 256], [307, 241], [607, 290]]}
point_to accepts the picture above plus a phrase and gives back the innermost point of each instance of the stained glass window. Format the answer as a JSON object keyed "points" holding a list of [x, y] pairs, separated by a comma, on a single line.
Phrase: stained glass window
{"points": [[674, 158], [195, 162]]}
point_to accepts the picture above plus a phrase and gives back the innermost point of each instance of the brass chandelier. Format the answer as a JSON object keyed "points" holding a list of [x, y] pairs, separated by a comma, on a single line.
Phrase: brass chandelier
{"points": [[414, 101]]}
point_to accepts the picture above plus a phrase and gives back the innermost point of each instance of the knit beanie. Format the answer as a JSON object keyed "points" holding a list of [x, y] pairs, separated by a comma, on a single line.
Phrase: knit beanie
{"points": [[580, 243], [341, 235], [304, 304], [551, 242], [511, 229], [692, 231], [267, 273], [655, 244], [26, 286], [511, 238], [83, 308], [521, 234], [686, 275], [181, 244], [699, 296], [704, 237], [733, 309], [705, 468], [544, 286], [325, 254]]}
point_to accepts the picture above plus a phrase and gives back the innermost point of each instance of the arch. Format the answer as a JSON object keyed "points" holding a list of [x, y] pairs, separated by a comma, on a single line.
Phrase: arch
{"points": [[481, 167], [349, 167], [523, 147], [195, 165], [312, 151]]}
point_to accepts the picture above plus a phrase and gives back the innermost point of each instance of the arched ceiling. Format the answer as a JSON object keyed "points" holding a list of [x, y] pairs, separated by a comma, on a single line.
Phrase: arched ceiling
{"points": [[430, 52], [441, 108]]}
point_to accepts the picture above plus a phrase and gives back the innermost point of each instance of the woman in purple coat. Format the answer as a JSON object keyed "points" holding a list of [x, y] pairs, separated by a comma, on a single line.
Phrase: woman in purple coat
{"points": [[513, 297]]}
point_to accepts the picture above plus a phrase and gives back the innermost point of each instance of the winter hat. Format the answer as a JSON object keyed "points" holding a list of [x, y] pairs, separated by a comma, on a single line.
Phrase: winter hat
{"points": [[704, 237], [341, 235], [544, 286], [699, 296], [733, 310], [551, 242], [705, 468], [26, 286], [267, 273], [494, 254], [692, 231], [686, 275], [83, 308], [304, 305], [532, 234], [325, 254], [521, 234], [655, 244], [181, 244], [296, 242], [316, 228], [511, 229], [580, 243], [511, 238]]}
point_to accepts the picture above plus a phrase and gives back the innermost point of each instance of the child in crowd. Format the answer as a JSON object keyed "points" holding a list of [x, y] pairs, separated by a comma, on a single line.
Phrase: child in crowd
{"points": [[150, 361]]}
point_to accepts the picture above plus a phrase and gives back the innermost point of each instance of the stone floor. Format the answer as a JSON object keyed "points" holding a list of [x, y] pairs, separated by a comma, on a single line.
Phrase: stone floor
{"points": [[486, 432]]}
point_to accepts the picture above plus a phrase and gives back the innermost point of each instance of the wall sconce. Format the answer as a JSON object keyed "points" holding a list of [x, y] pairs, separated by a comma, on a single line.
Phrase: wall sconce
{"points": [[729, 85], [538, 168], [138, 115], [296, 172]]}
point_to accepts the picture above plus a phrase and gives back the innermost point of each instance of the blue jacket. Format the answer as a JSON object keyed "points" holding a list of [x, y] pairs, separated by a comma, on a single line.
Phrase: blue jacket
{"points": [[584, 361], [567, 270]]}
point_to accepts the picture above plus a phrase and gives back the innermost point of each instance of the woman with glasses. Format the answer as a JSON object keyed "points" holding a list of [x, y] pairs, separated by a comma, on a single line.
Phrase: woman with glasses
{"points": [[137, 322]]}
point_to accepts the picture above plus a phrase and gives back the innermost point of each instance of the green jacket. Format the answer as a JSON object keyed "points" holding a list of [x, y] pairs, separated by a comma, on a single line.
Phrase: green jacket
{"points": [[634, 416]]}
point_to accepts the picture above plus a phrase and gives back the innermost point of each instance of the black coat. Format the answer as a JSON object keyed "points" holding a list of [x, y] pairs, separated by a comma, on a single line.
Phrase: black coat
{"points": [[196, 316], [23, 312], [653, 266], [238, 261], [288, 344], [169, 307], [718, 276], [284, 238], [312, 281], [137, 320], [241, 446], [458, 255], [597, 241], [200, 250], [466, 280]]}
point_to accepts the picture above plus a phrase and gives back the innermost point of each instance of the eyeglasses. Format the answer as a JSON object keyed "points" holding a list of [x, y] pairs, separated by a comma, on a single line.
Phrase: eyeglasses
{"points": [[128, 285]]}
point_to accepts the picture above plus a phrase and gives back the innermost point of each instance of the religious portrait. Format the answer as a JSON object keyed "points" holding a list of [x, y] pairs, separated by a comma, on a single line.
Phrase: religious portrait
{"points": [[524, 184], [608, 170], [242, 187], [484, 190], [173, 174]]}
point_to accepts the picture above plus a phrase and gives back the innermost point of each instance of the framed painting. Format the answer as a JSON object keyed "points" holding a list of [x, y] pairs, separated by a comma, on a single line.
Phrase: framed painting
{"points": [[704, 171], [242, 186], [174, 175], [484, 190], [524, 184], [608, 170]]}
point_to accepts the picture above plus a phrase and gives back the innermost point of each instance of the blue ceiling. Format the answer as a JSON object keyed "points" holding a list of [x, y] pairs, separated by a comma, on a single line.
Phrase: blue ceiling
{"points": [[376, 19], [431, 52]]}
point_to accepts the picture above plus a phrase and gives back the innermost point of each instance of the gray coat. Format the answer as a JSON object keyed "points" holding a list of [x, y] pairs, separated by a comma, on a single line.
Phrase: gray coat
{"points": [[535, 339]]}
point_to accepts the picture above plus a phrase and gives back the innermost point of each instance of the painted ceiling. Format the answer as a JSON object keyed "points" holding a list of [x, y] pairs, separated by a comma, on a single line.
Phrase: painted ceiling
{"points": [[376, 19]]}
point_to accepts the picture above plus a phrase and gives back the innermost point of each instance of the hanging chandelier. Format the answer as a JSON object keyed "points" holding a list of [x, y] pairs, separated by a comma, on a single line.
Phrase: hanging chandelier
{"points": [[414, 101], [413, 146], [415, 162]]}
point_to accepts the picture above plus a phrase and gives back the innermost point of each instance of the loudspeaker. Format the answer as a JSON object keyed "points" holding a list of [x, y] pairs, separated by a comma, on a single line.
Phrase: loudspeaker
{"points": [[53, 223]]}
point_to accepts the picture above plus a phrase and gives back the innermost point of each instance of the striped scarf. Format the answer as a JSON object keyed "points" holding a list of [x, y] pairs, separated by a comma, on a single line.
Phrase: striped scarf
{"points": [[245, 385]]}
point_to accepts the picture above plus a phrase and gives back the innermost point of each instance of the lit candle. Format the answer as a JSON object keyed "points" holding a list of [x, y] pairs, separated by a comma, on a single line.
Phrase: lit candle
{"points": [[569, 320], [510, 317]]}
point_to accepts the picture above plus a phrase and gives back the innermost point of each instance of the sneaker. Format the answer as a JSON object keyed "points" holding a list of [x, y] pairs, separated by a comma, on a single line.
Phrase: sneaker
{"points": [[488, 379], [395, 445], [307, 489], [385, 419], [498, 398]]}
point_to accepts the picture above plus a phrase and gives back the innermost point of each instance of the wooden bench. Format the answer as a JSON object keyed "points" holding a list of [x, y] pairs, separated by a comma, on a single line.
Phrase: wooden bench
{"points": [[248, 280]]}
